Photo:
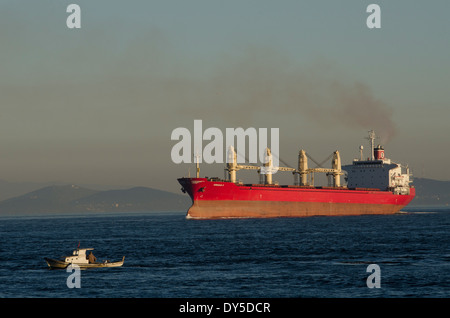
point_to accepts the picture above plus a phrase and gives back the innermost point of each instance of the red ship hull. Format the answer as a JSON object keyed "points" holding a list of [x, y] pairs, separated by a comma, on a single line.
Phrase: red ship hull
{"points": [[213, 199]]}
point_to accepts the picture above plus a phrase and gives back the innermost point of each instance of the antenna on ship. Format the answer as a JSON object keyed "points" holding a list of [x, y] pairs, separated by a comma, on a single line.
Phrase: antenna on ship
{"points": [[372, 137]]}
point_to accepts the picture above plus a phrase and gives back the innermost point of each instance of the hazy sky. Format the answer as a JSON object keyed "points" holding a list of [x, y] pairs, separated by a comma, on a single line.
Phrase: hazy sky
{"points": [[98, 104]]}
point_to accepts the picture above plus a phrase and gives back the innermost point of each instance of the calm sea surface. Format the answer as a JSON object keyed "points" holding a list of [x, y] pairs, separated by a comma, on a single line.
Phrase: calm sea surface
{"points": [[170, 256]]}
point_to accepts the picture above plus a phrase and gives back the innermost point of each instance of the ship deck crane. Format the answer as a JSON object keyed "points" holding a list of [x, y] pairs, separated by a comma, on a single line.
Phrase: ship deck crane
{"points": [[267, 169]]}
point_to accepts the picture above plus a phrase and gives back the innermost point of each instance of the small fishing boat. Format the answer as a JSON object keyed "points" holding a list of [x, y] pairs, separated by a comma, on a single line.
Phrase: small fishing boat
{"points": [[80, 258]]}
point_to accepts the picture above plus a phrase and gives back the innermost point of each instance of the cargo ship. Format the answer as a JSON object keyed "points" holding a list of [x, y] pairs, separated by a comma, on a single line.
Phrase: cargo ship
{"points": [[373, 185]]}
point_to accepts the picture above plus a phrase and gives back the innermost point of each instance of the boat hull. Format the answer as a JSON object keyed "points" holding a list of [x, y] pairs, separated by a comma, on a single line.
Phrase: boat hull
{"points": [[57, 264], [221, 199]]}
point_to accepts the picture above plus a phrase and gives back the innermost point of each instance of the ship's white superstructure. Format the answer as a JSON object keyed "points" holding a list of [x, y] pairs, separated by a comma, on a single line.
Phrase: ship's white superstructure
{"points": [[378, 172]]}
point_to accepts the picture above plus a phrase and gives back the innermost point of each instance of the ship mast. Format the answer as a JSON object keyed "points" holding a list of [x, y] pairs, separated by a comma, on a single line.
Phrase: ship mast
{"points": [[197, 160], [371, 138]]}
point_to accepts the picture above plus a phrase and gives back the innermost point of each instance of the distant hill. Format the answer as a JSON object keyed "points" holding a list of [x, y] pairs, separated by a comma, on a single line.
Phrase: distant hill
{"points": [[14, 189], [75, 199], [51, 199], [134, 199], [431, 192]]}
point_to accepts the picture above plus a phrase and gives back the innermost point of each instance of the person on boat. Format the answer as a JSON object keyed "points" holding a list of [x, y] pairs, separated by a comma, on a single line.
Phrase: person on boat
{"points": [[92, 258]]}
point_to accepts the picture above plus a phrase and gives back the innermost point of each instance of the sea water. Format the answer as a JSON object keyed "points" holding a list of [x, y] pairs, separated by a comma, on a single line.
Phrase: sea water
{"points": [[167, 255]]}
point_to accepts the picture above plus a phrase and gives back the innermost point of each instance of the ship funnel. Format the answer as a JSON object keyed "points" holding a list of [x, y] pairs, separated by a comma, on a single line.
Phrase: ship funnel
{"points": [[378, 152]]}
